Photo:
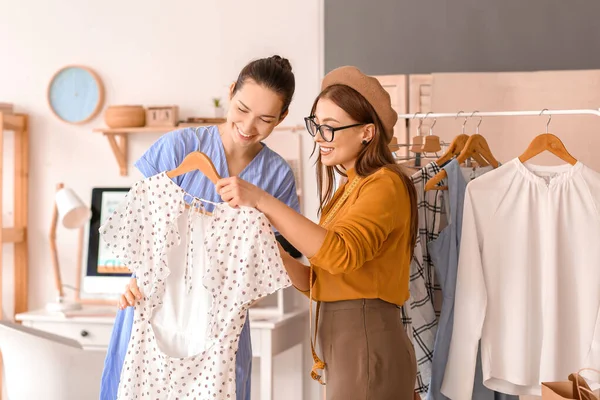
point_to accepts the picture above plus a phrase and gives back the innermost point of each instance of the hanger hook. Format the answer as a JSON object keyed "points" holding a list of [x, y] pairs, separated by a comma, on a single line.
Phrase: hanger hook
{"points": [[434, 121], [549, 118], [420, 123], [464, 123], [431, 127], [479, 123]]}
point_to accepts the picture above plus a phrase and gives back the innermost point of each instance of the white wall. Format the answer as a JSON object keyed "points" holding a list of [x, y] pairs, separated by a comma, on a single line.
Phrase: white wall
{"points": [[146, 52]]}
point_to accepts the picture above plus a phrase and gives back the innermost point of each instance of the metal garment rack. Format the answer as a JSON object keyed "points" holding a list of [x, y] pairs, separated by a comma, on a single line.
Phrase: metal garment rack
{"points": [[461, 114], [481, 114]]}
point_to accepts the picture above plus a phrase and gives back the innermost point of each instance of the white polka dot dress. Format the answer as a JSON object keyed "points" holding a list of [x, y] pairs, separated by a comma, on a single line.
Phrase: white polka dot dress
{"points": [[238, 262]]}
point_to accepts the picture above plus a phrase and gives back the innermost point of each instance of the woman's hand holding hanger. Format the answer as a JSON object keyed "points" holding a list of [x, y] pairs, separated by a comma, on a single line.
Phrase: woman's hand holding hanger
{"points": [[301, 232], [298, 230], [237, 192]]}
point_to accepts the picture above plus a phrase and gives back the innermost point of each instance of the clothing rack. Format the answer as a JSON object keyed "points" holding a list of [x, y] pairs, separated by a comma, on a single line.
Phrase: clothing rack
{"points": [[502, 113], [481, 114]]}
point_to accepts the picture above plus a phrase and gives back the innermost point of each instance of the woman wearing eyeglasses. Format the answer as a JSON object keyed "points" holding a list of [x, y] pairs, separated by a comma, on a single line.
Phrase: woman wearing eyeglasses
{"points": [[360, 251]]}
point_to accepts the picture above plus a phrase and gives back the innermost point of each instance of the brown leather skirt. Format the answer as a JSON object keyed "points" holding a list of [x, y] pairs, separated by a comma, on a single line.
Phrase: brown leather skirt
{"points": [[367, 353]]}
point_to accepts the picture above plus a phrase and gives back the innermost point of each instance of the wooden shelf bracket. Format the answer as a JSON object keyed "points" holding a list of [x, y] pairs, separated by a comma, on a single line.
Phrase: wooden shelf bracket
{"points": [[118, 144]]}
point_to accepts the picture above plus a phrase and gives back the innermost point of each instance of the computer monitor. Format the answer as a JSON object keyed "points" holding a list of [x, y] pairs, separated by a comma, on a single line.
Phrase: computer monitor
{"points": [[102, 276]]}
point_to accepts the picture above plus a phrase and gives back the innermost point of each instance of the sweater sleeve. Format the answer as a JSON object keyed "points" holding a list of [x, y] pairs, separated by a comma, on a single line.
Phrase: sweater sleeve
{"points": [[358, 235], [469, 309]]}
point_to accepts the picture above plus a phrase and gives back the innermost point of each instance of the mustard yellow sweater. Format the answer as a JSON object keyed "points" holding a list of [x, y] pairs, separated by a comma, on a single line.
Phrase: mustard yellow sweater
{"points": [[366, 253]]}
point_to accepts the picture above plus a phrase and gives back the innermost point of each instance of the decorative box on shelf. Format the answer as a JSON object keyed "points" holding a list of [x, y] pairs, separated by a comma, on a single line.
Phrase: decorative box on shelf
{"points": [[162, 115]]}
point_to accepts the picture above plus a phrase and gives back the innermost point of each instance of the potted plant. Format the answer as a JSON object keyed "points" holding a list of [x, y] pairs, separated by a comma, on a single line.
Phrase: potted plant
{"points": [[219, 112]]}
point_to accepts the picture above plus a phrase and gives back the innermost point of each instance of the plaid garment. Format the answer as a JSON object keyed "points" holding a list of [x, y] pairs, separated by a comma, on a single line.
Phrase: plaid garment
{"points": [[419, 313]]}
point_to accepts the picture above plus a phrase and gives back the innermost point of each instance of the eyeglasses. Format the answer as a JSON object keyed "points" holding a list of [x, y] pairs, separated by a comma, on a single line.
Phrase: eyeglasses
{"points": [[327, 132]]}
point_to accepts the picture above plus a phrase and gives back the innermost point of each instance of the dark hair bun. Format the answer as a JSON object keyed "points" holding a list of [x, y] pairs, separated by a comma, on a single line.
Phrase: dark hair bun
{"points": [[274, 73], [282, 62]]}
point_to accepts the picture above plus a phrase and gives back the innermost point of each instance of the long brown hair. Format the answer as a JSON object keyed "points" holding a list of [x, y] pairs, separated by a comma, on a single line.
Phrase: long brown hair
{"points": [[374, 156]]}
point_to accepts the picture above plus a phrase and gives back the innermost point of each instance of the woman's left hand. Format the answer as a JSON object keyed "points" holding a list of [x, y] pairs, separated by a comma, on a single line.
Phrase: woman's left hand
{"points": [[237, 192]]}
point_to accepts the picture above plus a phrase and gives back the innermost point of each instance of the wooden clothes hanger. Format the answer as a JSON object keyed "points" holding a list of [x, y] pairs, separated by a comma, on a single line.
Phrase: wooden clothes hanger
{"points": [[196, 161], [458, 143], [425, 144], [476, 146], [417, 141], [421, 145], [432, 142], [547, 142], [457, 146], [393, 146]]}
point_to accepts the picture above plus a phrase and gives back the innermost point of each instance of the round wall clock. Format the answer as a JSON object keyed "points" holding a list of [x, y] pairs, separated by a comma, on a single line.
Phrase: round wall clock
{"points": [[75, 94]]}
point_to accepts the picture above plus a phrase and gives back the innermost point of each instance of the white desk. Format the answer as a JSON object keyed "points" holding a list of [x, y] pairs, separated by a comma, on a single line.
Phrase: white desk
{"points": [[92, 327]]}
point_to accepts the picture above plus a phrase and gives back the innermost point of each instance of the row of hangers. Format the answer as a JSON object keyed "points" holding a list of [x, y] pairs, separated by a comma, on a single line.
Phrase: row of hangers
{"points": [[465, 147], [426, 144], [420, 144]]}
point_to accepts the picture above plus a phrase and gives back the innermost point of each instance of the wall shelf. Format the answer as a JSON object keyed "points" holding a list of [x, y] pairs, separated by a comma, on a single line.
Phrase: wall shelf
{"points": [[118, 139]]}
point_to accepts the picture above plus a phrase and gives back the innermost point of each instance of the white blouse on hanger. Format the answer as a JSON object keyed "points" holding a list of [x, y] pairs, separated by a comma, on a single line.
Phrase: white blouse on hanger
{"points": [[183, 261], [528, 279]]}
